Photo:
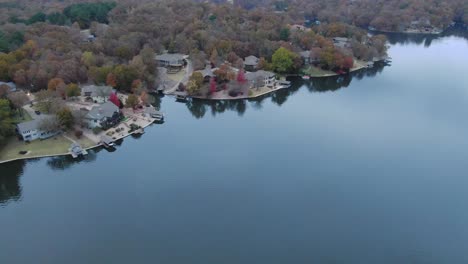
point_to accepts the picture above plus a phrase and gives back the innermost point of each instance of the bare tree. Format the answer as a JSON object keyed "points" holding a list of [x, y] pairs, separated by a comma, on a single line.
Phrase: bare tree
{"points": [[49, 123], [18, 99]]}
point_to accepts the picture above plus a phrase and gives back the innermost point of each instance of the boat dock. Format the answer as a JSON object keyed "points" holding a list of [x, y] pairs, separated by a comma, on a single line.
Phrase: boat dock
{"points": [[76, 150], [107, 141]]}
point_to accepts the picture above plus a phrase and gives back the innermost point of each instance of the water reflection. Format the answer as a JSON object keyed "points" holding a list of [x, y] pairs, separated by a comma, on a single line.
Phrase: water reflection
{"points": [[198, 108], [425, 39], [10, 188], [65, 162]]}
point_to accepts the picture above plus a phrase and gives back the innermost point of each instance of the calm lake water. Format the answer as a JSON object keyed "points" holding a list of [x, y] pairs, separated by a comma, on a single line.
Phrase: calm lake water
{"points": [[371, 168]]}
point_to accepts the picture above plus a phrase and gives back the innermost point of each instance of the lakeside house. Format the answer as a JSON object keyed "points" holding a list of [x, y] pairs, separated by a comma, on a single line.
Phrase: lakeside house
{"points": [[207, 73], [104, 115], [96, 93], [340, 42], [12, 85], [174, 62], [261, 79], [305, 56], [251, 63], [31, 130]]}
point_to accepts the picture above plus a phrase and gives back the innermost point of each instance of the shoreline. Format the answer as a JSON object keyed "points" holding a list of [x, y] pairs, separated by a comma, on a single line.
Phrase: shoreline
{"points": [[69, 153], [239, 97], [359, 66]]}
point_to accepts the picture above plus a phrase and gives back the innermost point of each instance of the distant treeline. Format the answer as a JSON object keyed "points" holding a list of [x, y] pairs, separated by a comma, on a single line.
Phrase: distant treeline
{"points": [[82, 13]]}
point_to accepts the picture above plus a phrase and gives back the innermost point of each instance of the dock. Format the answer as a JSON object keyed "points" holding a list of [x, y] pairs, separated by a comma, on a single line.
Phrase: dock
{"points": [[107, 141], [76, 150]]}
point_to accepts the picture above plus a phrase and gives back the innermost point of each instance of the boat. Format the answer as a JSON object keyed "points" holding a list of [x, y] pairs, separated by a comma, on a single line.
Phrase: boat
{"points": [[157, 115], [181, 98], [284, 83], [306, 77]]}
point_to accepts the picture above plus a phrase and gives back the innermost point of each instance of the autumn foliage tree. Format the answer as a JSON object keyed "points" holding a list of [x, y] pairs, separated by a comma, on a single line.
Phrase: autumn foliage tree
{"points": [[54, 83], [114, 99]]}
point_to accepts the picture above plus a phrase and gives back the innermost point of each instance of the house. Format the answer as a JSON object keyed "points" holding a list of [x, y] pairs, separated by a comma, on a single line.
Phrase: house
{"points": [[341, 42], [12, 85], [207, 73], [305, 56], [251, 63], [174, 62], [104, 115], [86, 36], [261, 79], [31, 130], [298, 27], [96, 93]]}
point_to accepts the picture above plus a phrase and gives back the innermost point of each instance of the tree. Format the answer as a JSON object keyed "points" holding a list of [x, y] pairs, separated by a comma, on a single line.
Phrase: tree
{"points": [[4, 90], [212, 85], [6, 123], [348, 62], [72, 90], [111, 80], [114, 99], [88, 59], [38, 17], [144, 97], [283, 60], [125, 75], [48, 101], [132, 101], [137, 86], [79, 117], [18, 99], [241, 77], [197, 77], [54, 83], [214, 58], [192, 87], [284, 34], [65, 118], [50, 123]]}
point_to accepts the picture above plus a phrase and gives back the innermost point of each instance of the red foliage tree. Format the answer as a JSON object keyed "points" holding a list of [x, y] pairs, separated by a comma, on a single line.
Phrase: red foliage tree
{"points": [[212, 85], [114, 99], [348, 63], [241, 77]]}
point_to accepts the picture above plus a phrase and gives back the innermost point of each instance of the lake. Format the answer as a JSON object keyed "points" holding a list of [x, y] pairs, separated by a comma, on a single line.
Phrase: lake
{"points": [[368, 168]]}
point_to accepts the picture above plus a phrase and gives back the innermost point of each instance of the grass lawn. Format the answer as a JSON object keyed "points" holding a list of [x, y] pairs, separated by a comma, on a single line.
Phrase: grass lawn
{"points": [[177, 77], [83, 141], [51, 146], [313, 71], [18, 119]]}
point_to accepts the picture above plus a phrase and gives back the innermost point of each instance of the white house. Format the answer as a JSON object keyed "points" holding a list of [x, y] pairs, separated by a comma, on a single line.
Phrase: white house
{"points": [[98, 94], [31, 130], [261, 79], [100, 114]]}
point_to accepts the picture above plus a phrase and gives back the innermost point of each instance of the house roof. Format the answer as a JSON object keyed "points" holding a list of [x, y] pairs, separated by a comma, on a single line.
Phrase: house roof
{"points": [[99, 112], [27, 126], [207, 72], [97, 90], [252, 76], [170, 57], [340, 39], [12, 85], [305, 54], [31, 125], [251, 60]]}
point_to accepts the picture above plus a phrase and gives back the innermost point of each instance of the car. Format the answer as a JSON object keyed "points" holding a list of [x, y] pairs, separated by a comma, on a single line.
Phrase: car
{"points": [[37, 112]]}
